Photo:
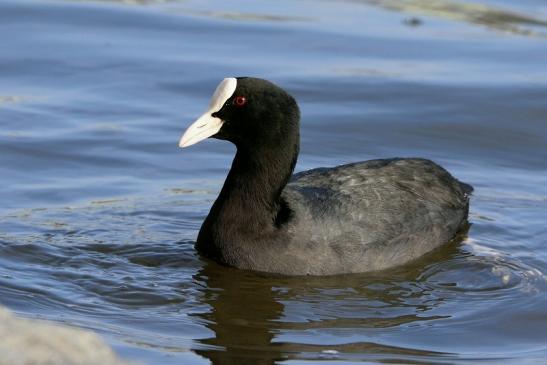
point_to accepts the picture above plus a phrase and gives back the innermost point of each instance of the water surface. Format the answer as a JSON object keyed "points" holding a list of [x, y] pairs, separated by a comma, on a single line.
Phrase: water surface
{"points": [[101, 208]]}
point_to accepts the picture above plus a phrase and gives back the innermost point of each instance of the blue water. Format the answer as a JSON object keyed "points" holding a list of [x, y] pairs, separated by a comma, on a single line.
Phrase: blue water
{"points": [[100, 208]]}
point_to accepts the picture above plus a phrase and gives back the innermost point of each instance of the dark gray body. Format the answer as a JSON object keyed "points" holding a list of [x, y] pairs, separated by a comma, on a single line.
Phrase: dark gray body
{"points": [[373, 215], [359, 217]]}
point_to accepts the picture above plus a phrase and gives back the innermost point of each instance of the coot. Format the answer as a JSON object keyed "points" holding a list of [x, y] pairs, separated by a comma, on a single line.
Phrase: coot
{"points": [[359, 217]]}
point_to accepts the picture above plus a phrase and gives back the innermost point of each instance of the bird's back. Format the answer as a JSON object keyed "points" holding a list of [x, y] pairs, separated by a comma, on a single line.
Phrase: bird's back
{"points": [[372, 215]]}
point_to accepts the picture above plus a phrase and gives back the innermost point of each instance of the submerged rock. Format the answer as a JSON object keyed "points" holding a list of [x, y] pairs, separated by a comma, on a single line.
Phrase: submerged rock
{"points": [[33, 342]]}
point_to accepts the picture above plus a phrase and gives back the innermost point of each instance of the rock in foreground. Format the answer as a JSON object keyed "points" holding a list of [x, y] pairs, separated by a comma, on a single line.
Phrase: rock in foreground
{"points": [[32, 342]]}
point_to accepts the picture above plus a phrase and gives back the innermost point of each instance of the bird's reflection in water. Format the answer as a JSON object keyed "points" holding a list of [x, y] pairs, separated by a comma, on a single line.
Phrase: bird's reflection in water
{"points": [[243, 314], [264, 319]]}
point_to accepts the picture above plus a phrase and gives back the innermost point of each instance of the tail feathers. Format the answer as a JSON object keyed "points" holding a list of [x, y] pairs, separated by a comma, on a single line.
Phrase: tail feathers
{"points": [[467, 189]]}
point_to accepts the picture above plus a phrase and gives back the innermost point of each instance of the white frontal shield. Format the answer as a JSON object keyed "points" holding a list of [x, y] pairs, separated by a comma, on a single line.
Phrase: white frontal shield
{"points": [[207, 125]]}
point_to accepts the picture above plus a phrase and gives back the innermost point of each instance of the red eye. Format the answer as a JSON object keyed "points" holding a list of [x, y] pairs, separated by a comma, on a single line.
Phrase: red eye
{"points": [[240, 101]]}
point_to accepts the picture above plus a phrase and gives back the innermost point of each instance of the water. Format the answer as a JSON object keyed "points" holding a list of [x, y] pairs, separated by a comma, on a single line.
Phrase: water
{"points": [[100, 208]]}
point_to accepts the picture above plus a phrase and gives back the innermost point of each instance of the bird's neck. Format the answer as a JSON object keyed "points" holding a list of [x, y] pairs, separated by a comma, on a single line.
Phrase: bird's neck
{"points": [[250, 203], [251, 193]]}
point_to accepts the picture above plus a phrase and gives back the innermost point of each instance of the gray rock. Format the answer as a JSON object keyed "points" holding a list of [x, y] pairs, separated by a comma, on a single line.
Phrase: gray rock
{"points": [[34, 342]]}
